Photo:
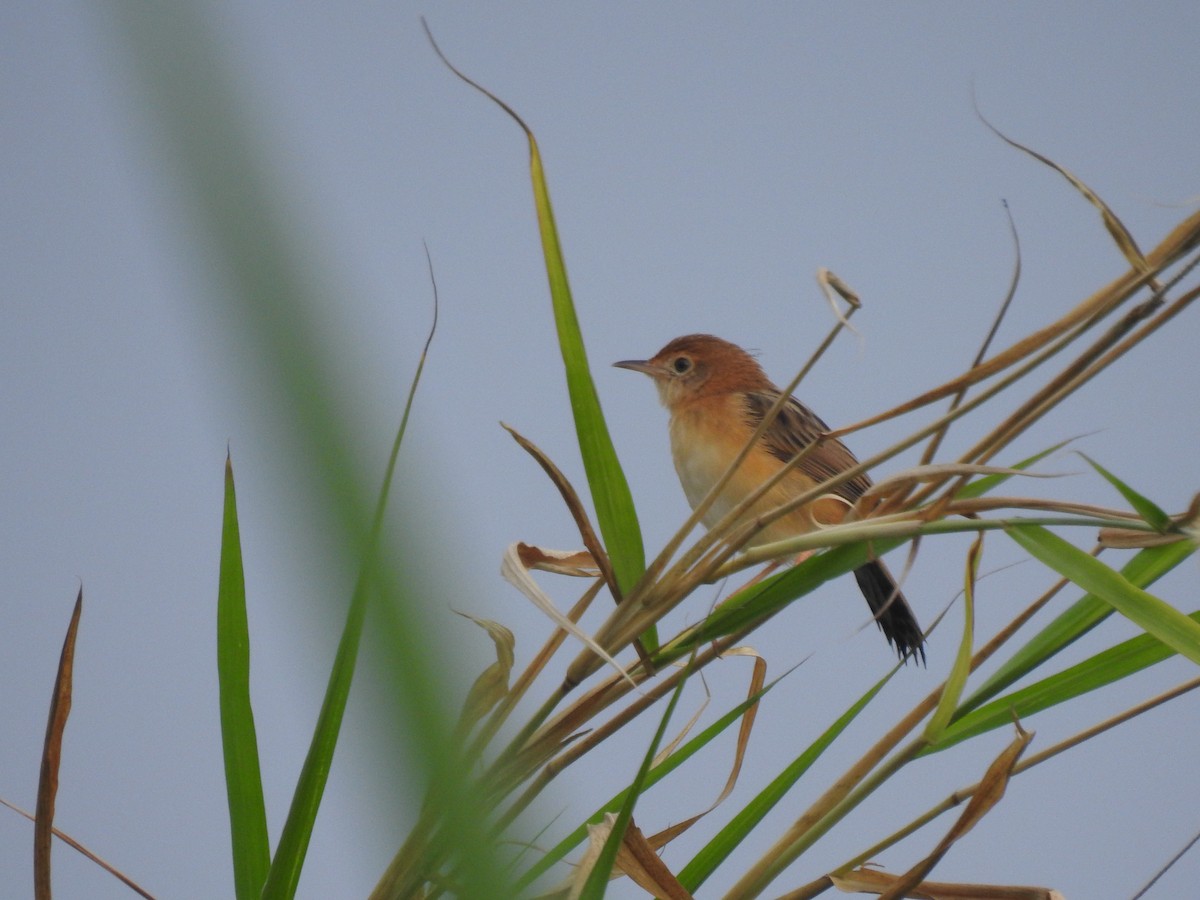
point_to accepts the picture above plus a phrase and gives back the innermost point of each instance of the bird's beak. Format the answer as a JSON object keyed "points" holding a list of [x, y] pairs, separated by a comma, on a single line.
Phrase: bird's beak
{"points": [[645, 366]]}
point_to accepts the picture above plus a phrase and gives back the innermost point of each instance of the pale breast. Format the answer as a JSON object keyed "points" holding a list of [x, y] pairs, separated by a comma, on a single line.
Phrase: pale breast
{"points": [[702, 452]]}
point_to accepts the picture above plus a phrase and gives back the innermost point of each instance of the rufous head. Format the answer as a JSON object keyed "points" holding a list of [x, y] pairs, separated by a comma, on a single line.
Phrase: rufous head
{"points": [[699, 365]]}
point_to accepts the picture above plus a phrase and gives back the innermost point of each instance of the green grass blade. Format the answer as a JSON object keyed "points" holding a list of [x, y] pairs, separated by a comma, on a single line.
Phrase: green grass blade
{"points": [[243, 779], [1146, 567], [1160, 619], [987, 483], [1143, 506], [1104, 668], [306, 799], [744, 823], [961, 670], [615, 511], [773, 594], [597, 881]]}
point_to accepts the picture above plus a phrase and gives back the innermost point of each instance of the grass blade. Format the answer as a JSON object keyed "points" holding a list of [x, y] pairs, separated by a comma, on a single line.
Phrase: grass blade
{"points": [[1104, 668], [297, 830], [597, 881], [1160, 619], [1146, 567], [243, 779], [743, 824], [1143, 506], [615, 511], [56, 723], [961, 670]]}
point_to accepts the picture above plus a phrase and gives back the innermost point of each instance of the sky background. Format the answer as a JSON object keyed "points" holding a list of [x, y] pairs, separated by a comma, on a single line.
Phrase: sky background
{"points": [[704, 162]]}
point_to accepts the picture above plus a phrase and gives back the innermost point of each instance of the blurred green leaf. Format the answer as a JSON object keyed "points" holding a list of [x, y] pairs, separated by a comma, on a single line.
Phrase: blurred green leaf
{"points": [[243, 780]]}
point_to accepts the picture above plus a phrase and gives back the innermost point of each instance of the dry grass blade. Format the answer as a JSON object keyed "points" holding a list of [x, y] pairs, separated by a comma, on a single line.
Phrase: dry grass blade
{"points": [[963, 794], [638, 859], [1171, 862], [491, 687], [991, 790], [1120, 234], [60, 708], [574, 506], [871, 881], [515, 573], [1182, 239], [662, 838], [80, 848], [635, 858], [935, 441]]}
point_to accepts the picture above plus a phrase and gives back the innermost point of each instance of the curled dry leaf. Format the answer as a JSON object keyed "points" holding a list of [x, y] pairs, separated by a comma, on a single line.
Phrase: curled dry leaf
{"points": [[579, 563], [635, 858], [492, 684], [831, 284], [987, 795], [516, 573], [757, 680]]}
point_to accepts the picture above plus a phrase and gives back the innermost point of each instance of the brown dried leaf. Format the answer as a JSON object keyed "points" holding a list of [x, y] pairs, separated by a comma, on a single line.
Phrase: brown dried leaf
{"points": [[514, 571], [635, 858], [638, 859], [1120, 234], [579, 563], [575, 506], [492, 684], [60, 708], [987, 795], [757, 680]]}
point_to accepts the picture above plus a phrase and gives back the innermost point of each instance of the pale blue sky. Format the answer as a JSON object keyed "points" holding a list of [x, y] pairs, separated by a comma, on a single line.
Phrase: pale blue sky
{"points": [[704, 162]]}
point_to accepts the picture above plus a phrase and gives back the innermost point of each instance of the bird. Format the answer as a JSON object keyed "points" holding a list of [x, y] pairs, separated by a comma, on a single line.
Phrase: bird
{"points": [[717, 395]]}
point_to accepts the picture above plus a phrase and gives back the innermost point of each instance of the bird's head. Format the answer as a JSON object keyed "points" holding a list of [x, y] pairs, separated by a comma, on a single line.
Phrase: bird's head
{"points": [[699, 365]]}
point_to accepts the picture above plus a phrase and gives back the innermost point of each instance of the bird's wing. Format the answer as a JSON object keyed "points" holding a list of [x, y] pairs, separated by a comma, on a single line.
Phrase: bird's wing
{"points": [[794, 430]]}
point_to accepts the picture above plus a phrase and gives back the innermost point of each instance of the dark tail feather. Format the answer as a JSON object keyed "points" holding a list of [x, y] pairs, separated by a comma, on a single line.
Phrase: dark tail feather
{"points": [[892, 612]]}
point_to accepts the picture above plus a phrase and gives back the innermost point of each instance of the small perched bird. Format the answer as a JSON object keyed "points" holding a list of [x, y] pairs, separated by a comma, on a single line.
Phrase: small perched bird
{"points": [[717, 395]]}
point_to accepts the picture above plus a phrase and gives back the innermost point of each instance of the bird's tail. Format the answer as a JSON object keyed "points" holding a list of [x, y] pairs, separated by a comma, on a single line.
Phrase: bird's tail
{"points": [[892, 612]]}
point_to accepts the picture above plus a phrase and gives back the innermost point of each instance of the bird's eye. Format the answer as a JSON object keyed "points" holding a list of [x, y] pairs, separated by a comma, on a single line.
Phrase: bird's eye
{"points": [[681, 364]]}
